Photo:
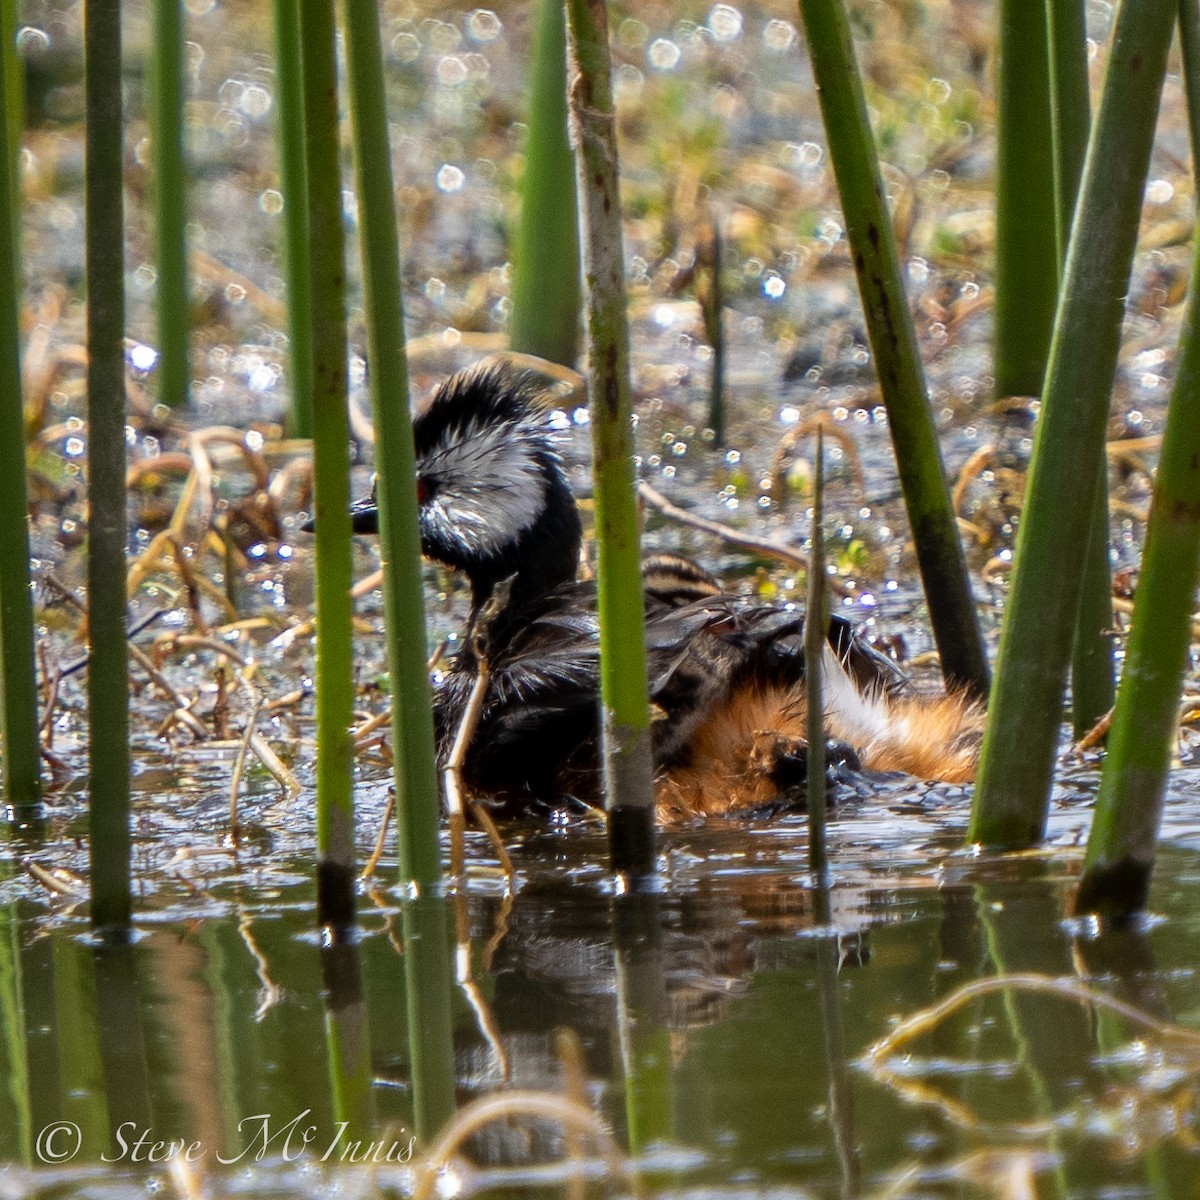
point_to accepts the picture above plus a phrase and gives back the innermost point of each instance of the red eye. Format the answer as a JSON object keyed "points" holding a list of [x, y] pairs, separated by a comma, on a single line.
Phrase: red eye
{"points": [[422, 490]]}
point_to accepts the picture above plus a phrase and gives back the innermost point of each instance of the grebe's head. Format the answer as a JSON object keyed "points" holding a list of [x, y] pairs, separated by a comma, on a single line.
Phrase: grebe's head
{"points": [[494, 498]]}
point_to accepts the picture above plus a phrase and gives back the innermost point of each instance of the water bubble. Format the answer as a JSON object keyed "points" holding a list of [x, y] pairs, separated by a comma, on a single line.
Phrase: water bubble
{"points": [[789, 414], [271, 202], [235, 293], [405, 48], [663, 54], [774, 286], [725, 23], [444, 38], [449, 178], [918, 271], [1159, 191], [938, 91], [582, 416], [451, 71], [32, 40], [778, 35], [484, 26], [231, 93], [73, 447], [262, 378], [733, 457], [142, 357], [629, 82], [477, 66], [256, 101], [435, 289], [829, 231], [632, 33], [663, 316]]}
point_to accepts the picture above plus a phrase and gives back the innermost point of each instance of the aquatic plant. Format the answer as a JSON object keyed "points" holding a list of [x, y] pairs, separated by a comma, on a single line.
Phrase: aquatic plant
{"points": [[894, 346], [628, 766], [18, 683], [1017, 762], [169, 183], [108, 668], [297, 271], [331, 470], [545, 259], [1141, 741]]}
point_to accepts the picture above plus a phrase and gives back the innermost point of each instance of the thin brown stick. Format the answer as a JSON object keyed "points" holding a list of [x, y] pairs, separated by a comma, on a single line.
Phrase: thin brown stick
{"points": [[452, 772], [768, 547], [381, 841]]}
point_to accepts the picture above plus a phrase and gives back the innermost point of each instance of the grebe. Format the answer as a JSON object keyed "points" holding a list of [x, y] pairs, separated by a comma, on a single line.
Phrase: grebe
{"points": [[726, 673]]}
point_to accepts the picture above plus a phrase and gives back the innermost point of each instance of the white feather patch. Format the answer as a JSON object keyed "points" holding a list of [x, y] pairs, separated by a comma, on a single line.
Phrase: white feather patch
{"points": [[854, 716], [489, 486]]}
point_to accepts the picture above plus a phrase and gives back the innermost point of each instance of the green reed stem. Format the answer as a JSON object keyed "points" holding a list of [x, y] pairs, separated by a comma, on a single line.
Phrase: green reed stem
{"points": [[14, 1044], [428, 983], [108, 670], [417, 804], [712, 308], [815, 627], [628, 763], [643, 1032], [347, 1042], [545, 262], [14, 101], [290, 107], [1070, 112], [1141, 741], [1026, 259], [894, 346], [331, 471], [18, 682], [1017, 762], [1092, 672], [170, 200]]}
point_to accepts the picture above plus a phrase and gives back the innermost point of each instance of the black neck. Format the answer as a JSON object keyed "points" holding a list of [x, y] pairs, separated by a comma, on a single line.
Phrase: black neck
{"points": [[545, 557]]}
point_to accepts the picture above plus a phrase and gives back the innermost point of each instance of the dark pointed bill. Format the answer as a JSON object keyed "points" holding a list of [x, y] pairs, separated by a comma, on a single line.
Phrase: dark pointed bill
{"points": [[364, 517]]}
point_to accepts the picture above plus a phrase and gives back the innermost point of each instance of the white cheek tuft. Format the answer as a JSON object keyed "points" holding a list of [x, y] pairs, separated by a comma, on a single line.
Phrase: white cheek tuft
{"points": [[489, 486]]}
